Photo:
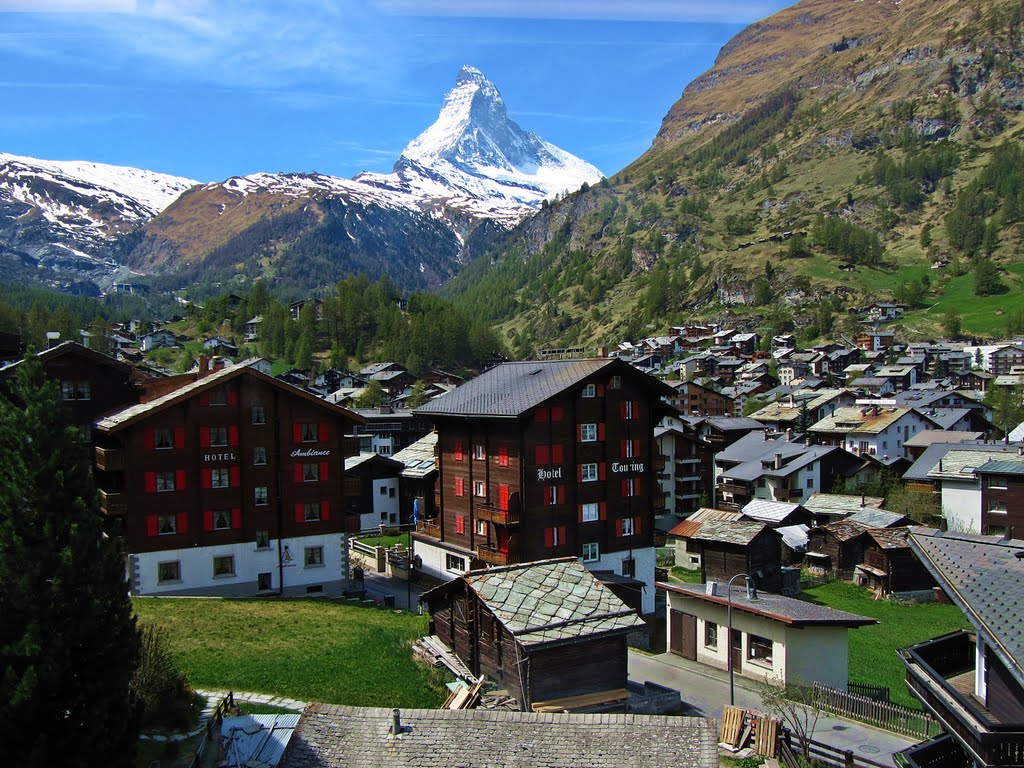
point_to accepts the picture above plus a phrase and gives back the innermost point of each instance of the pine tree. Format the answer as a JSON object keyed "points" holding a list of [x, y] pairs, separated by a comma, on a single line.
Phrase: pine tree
{"points": [[68, 641]]}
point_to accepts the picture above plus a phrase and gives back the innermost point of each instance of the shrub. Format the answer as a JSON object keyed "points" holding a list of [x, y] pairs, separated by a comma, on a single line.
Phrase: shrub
{"points": [[159, 688]]}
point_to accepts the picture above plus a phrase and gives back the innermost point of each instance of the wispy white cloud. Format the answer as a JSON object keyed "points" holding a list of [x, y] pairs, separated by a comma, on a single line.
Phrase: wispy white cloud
{"points": [[732, 11]]}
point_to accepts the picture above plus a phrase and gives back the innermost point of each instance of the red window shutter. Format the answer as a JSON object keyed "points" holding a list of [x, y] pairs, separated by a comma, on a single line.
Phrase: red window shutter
{"points": [[179, 437], [204, 437], [625, 487], [325, 510], [460, 524], [207, 478], [561, 534], [557, 413], [150, 439], [458, 450], [503, 457], [579, 513], [602, 510], [636, 449], [636, 409], [300, 513], [208, 520], [636, 525], [623, 449], [542, 415], [459, 486], [232, 396], [324, 471], [600, 432], [296, 432], [600, 390], [602, 471], [579, 473], [618, 528], [557, 454], [579, 433], [561, 494], [622, 410], [503, 498], [151, 526], [235, 477], [543, 454], [549, 537], [323, 432], [182, 520], [232, 435], [179, 480], [151, 482], [204, 399], [297, 472], [236, 518]]}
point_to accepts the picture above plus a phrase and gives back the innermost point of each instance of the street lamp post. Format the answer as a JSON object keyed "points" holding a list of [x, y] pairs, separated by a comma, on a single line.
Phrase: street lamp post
{"points": [[728, 642]]}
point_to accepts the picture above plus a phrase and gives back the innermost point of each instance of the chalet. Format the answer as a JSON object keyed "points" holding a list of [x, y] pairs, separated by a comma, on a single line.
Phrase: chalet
{"points": [[728, 547], [889, 566], [543, 631], [902, 377], [215, 495], [977, 381], [783, 341], [776, 514], [745, 343], [972, 681], [803, 406], [388, 430], [1002, 496], [693, 399], [543, 459], [955, 472], [883, 310], [873, 428], [1001, 361], [296, 307], [252, 328], [687, 556], [219, 346], [722, 431], [873, 385], [917, 445], [418, 479], [875, 341], [830, 507], [780, 639], [684, 474], [376, 501], [157, 340], [837, 546]]}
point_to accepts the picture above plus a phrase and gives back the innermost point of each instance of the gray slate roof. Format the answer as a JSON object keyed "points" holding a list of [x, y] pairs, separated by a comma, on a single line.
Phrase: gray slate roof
{"points": [[353, 737], [418, 458], [928, 461], [878, 518], [984, 576], [768, 511], [840, 504], [511, 389], [740, 532]]}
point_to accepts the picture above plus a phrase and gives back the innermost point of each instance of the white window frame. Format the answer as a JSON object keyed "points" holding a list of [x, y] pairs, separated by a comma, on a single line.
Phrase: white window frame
{"points": [[481, 527], [310, 432], [263, 535], [220, 477], [260, 496], [311, 511], [311, 472], [590, 390], [628, 526], [259, 414], [218, 396], [222, 520], [259, 456], [218, 437], [478, 452], [171, 522], [454, 563], [163, 439], [591, 552], [165, 482], [766, 660], [588, 473], [591, 512], [997, 482], [480, 489], [588, 433]]}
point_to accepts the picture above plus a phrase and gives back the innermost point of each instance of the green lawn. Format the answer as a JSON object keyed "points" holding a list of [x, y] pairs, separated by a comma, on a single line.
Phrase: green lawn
{"points": [[385, 541], [873, 658], [313, 650], [686, 574]]}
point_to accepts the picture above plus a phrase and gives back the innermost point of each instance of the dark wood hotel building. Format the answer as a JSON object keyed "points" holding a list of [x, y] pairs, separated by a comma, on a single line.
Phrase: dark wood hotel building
{"points": [[539, 460], [231, 484]]}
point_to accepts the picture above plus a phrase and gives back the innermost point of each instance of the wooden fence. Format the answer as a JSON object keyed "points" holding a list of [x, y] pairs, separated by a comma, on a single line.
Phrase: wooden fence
{"points": [[823, 754], [212, 735], [883, 714], [873, 692]]}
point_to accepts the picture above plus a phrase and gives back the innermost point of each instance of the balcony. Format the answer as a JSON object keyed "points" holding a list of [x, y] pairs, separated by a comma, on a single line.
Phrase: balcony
{"points": [[658, 503], [659, 463], [112, 503], [109, 459], [733, 488], [492, 556], [940, 673], [941, 752], [787, 494], [493, 514], [430, 528]]}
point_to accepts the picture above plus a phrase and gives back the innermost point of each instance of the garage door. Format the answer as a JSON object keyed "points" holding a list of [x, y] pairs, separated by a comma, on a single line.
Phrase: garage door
{"points": [[683, 634]]}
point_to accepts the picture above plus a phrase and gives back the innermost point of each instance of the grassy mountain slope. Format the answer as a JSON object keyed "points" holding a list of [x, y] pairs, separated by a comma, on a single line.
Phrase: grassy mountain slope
{"points": [[838, 149]]}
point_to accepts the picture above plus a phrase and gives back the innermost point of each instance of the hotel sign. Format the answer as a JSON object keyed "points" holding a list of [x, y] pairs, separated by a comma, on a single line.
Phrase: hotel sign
{"points": [[621, 469], [309, 453], [548, 474], [229, 456]]}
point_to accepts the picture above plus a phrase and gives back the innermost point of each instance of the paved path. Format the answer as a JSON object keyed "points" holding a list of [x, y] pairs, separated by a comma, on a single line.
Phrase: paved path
{"points": [[379, 585], [705, 691], [213, 698]]}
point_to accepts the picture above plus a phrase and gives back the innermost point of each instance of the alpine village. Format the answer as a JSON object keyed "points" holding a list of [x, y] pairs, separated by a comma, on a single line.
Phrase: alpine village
{"points": [[718, 460]]}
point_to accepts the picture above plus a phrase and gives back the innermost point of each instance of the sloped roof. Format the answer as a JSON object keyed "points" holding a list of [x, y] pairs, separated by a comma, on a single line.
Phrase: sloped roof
{"points": [[840, 504], [961, 464], [928, 461], [890, 538], [740, 532], [768, 511], [878, 518], [351, 462], [551, 600], [692, 524], [860, 419], [794, 536], [932, 436], [842, 530], [984, 576], [419, 458], [1004, 467]]}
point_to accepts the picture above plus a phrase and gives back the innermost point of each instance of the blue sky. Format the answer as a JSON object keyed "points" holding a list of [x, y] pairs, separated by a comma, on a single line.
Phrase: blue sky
{"points": [[214, 88]]}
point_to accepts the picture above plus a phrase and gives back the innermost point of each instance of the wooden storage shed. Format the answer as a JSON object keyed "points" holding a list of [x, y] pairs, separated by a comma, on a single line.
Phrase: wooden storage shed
{"points": [[837, 546], [729, 547], [546, 630], [890, 565]]}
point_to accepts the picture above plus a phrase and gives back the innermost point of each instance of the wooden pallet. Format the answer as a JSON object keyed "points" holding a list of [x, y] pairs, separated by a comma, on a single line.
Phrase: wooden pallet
{"points": [[767, 736], [570, 703], [730, 733]]}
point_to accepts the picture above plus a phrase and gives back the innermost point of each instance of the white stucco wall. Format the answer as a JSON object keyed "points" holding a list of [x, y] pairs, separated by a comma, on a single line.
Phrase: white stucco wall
{"points": [[817, 654], [385, 506], [644, 570], [197, 568], [961, 506]]}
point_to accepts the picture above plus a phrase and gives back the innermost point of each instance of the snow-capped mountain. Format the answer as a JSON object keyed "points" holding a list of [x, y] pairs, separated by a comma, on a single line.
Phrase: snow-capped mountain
{"points": [[475, 154], [66, 214]]}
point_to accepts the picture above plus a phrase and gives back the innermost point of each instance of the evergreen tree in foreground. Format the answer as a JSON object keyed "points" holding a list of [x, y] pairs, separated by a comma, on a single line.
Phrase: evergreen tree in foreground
{"points": [[68, 641]]}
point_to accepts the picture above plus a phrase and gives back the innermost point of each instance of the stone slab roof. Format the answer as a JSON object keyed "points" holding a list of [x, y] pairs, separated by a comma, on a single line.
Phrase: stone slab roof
{"points": [[860, 420], [984, 576], [740, 532], [768, 511], [933, 436], [419, 458], [840, 504], [692, 524], [352, 737], [928, 462], [877, 518]]}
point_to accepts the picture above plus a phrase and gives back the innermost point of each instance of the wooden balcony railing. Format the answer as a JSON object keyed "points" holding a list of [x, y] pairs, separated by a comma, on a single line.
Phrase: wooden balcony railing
{"points": [[734, 488], [493, 556], [429, 528], [493, 514], [112, 503], [109, 459]]}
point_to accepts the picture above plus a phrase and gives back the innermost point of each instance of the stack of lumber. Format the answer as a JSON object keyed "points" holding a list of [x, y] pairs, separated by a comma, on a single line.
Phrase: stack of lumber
{"points": [[741, 729], [434, 652], [464, 697], [576, 703]]}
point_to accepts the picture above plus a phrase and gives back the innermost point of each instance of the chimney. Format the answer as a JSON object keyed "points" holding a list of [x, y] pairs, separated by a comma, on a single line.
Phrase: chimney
{"points": [[1007, 535], [862, 501], [789, 435], [778, 461], [52, 339], [204, 366], [396, 722]]}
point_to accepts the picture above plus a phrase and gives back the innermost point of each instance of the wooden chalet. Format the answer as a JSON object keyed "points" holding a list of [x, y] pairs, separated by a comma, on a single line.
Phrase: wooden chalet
{"points": [[547, 630], [889, 565], [836, 546], [729, 547], [688, 556]]}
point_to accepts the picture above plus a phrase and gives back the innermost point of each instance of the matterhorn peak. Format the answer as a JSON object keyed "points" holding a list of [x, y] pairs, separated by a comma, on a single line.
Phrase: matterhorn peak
{"points": [[470, 74]]}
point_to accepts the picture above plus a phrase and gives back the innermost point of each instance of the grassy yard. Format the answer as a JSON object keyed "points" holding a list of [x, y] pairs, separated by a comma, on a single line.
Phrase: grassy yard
{"points": [[313, 650], [686, 574], [386, 541], [873, 658]]}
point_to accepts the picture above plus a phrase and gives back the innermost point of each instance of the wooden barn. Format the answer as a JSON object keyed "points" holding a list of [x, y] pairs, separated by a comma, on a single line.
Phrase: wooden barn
{"points": [[890, 566], [729, 547], [546, 630], [836, 546]]}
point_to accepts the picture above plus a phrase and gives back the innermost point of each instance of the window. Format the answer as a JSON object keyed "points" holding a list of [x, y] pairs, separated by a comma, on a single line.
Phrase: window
{"points": [[999, 507], [168, 572], [457, 450], [310, 432], [710, 634], [224, 566], [220, 478], [222, 520], [616, 382], [997, 481], [454, 563], [259, 416], [588, 433], [460, 486], [67, 390], [479, 488], [263, 582], [591, 552], [311, 511], [590, 513], [310, 472], [759, 649], [996, 530], [810, 482], [460, 524], [76, 390], [628, 526], [629, 448], [503, 457], [262, 539], [314, 557], [164, 481], [481, 527], [588, 473], [391, 493], [218, 437], [555, 536], [629, 487], [383, 491], [163, 439], [166, 524], [629, 567], [260, 495], [259, 456], [626, 410], [589, 391], [554, 495], [218, 396], [478, 452]]}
